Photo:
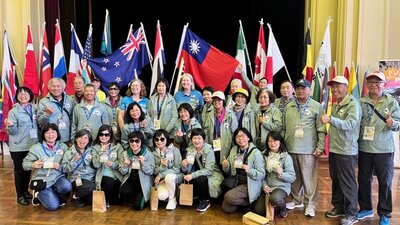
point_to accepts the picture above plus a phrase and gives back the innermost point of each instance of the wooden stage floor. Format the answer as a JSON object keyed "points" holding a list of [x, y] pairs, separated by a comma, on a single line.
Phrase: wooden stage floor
{"points": [[13, 213]]}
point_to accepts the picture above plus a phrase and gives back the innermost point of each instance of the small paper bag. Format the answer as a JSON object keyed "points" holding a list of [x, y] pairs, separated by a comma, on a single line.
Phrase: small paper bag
{"points": [[99, 201], [186, 194], [269, 209], [154, 198]]}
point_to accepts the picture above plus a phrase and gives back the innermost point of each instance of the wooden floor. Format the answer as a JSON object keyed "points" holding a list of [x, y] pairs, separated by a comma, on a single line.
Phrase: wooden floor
{"points": [[13, 213]]}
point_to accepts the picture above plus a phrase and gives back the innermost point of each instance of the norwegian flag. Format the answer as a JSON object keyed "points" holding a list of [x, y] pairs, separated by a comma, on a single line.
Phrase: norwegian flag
{"points": [[261, 56], [85, 71], [44, 58], [30, 72]]}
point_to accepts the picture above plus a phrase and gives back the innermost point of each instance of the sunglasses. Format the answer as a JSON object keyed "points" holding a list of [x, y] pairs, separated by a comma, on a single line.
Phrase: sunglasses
{"points": [[134, 140], [159, 139], [104, 134], [113, 89]]}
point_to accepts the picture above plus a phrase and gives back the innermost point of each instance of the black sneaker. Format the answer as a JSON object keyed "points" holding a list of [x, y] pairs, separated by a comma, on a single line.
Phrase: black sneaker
{"points": [[78, 203], [35, 200], [23, 201], [282, 212], [334, 213], [203, 205], [27, 195]]}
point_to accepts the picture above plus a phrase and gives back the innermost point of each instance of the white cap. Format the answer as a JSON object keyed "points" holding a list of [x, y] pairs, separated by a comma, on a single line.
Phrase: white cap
{"points": [[219, 94], [377, 74], [338, 79]]}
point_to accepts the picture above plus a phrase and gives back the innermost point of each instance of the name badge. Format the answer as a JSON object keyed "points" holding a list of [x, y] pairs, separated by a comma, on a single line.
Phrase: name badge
{"points": [[157, 123], [61, 123], [238, 162], [169, 156], [49, 163], [299, 131], [88, 127], [33, 133], [114, 127], [78, 180], [190, 158], [217, 145], [103, 157], [136, 163], [369, 133]]}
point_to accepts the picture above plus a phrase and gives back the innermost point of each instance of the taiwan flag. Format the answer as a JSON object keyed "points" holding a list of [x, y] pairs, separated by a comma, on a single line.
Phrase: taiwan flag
{"points": [[123, 65], [208, 65]]}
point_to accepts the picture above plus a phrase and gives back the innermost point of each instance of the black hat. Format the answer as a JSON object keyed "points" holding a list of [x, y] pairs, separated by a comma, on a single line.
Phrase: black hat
{"points": [[303, 82]]}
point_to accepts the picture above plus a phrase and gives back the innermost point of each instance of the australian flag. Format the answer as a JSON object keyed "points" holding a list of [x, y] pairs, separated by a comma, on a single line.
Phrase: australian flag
{"points": [[124, 64]]}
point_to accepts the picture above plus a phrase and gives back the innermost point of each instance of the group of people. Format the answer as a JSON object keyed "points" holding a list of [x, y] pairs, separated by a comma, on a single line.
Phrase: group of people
{"points": [[238, 148]]}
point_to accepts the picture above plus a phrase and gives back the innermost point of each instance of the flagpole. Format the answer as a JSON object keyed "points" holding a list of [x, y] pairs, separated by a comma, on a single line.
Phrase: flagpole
{"points": [[247, 51], [147, 47], [13, 56], [129, 33], [179, 51]]}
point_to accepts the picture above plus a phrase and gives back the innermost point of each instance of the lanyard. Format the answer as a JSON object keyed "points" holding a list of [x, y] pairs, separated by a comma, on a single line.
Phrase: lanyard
{"points": [[60, 105], [51, 152], [82, 159], [299, 107], [88, 115], [218, 122], [29, 113], [159, 107], [185, 128]]}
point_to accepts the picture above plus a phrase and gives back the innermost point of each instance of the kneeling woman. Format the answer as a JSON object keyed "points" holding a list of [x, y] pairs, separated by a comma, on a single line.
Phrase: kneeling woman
{"points": [[245, 162], [202, 170], [168, 167], [137, 167], [44, 159], [280, 175], [78, 164]]}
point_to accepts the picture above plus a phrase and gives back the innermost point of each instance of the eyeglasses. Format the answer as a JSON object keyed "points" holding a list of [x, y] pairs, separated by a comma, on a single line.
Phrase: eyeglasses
{"points": [[159, 139], [134, 140], [113, 89], [374, 82], [104, 134]]}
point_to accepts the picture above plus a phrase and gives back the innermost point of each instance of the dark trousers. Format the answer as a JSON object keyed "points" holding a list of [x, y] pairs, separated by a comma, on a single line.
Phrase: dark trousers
{"points": [[344, 185], [21, 177], [111, 189], [132, 190], [382, 164], [200, 187], [84, 191], [277, 197]]}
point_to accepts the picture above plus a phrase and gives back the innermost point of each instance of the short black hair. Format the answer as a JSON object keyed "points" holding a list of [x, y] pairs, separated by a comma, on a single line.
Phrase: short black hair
{"points": [[162, 80], [187, 107], [159, 133], [137, 134], [108, 128], [198, 132], [46, 128], [82, 133], [127, 117], [27, 90], [113, 84], [245, 131], [209, 88], [275, 135]]}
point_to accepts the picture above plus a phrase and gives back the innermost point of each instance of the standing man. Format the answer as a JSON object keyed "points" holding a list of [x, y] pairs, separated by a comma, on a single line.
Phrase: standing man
{"points": [[380, 118], [343, 150], [304, 136], [79, 84], [287, 95]]}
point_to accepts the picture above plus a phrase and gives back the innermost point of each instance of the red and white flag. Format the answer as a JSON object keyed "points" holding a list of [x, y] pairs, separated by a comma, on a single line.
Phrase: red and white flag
{"points": [[45, 65], [261, 57], [159, 59], [30, 72], [74, 61], [274, 58]]}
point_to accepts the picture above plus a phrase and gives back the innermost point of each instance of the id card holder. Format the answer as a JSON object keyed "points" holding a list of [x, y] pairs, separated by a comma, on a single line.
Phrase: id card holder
{"points": [[217, 145], [169, 156], [61, 123], [299, 131], [33, 133], [49, 163], [103, 157], [369, 133], [78, 180], [114, 127], [190, 158], [238, 162], [157, 123], [88, 127], [135, 163]]}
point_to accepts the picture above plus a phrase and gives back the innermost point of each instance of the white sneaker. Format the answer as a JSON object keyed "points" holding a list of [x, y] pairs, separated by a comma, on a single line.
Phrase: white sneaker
{"points": [[292, 205], [171, 204], [309, 212]]}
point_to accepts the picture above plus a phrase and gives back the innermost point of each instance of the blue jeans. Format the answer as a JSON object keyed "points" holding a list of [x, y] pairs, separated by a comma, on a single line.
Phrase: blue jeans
{"points": [[50, 197]]}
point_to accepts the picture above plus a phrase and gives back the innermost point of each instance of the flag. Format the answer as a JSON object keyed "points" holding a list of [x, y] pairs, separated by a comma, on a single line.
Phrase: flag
{"points": [[353, 83], [364, 90], [60, 67], [307, 56], [208, 65], [241, 57], [30, 71], [74, 61], [122, 65], [159, 59], [324, 60], [106, 38], [84, 70], [274, 58], [261, 57], [346, 72], [45, 65], [8, 84], [325, 91]]}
